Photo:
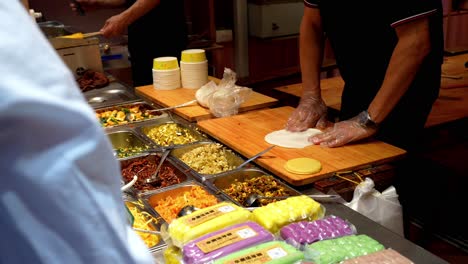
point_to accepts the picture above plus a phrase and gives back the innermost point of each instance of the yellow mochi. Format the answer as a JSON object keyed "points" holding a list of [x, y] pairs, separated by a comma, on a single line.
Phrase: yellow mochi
{"points": [[303, 166]]}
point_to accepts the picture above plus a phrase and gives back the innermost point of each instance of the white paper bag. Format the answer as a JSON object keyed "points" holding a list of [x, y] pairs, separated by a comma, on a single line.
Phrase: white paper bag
{"points": [[384, 208]]}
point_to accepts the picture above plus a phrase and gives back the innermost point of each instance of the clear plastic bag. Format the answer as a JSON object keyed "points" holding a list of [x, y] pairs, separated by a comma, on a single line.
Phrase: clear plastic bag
{"points": [[225, 98], [384, 208]]}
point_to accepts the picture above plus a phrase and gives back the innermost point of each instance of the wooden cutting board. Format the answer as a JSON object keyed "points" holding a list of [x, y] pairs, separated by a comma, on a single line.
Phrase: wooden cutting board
{"points": [[167, 98], [245, 134]]}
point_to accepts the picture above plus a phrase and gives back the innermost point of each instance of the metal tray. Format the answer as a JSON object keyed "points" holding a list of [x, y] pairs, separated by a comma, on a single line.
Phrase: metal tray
{"points": [[127, 138], [223, 181], [232, 158], [154, 159], [112, 94], [152, 197], [143, 106], [142, 206], [145, 128]]}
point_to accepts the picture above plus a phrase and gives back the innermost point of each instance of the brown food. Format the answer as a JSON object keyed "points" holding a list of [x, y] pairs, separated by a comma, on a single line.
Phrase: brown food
{"points": [[145, 169], [263, 185], [92, 80]]}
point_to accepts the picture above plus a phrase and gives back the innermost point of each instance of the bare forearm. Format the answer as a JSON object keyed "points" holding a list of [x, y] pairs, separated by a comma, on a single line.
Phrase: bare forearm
{"points": [[413, 46], [311, 54], [138, 9]]}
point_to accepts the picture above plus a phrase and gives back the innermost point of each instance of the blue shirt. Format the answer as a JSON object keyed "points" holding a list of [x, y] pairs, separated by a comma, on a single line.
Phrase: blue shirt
{"points": [[60, 199]]}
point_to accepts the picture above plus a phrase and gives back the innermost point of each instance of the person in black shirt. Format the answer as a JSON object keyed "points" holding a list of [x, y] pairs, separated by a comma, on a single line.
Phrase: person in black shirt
{"points": [[156, 28], [390, 59]]}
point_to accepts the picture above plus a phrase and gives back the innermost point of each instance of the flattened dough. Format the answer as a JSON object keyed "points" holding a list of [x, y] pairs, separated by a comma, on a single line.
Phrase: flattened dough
{"points": [[288, 139], [303, 166]]}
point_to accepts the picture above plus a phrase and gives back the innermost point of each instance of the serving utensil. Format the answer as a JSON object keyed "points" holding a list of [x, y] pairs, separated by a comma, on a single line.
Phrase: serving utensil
{"points": [[256, 156], [154, 178], [172, 107], [147, 231], [253, 199]]}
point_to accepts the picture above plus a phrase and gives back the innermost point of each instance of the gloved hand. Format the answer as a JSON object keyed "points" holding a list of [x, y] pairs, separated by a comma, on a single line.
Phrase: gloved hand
{"points": [[310, 112], [344, 132]]}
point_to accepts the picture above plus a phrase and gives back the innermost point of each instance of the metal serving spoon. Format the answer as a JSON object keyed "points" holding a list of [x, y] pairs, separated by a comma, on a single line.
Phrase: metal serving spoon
{"points": [[252, 199], [172, 107], [154, 177], [147, 231], [256, 156]]}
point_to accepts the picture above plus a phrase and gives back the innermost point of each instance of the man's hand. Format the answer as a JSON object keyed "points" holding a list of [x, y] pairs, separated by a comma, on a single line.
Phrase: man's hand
{"points": [[343, 132], [115, 26], [310, 112]]}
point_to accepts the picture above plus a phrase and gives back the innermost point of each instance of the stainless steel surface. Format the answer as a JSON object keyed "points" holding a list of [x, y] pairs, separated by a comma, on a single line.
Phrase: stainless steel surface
{"points": [[52, 29], [145, 128], [256, 156], [114, 93], [223, 181], [155, 159], [155, 224], [232, 158], [127, 138], [143, 106], [152, 197], [155, 177]]}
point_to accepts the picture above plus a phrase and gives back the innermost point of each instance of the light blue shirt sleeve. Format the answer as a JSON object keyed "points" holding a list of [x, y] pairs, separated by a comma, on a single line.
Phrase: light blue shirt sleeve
{"points": [[60, 199]]}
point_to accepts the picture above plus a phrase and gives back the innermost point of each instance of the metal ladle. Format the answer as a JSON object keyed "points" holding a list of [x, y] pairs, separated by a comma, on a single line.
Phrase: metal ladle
{"points": [[154, 177], [252, 199]]}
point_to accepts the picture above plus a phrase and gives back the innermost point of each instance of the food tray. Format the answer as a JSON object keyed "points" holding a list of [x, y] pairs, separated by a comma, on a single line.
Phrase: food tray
{"points": [[156, 224], [232, 159], [143, 106], [223, 181], [114, 93], [127, 139], [169, 136], [174, 191], [170, 173]]}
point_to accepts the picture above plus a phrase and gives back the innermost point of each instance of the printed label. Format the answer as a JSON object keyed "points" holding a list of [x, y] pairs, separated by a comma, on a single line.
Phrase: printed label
{"points": [[199, 217], [259, 256], [225, 239]]}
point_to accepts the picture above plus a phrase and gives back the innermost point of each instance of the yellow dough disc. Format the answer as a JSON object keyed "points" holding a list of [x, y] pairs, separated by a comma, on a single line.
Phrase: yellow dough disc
{"points": [[303, 166]]}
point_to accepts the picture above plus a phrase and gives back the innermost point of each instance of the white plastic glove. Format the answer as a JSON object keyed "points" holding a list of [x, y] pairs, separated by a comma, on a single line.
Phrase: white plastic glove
{"points": [[344, 132], [310, 112]]}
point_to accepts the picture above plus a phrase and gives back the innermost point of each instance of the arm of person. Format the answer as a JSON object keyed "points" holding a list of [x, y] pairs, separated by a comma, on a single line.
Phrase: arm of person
{"points": [[412, 47], [116, 25], [311, 110]]}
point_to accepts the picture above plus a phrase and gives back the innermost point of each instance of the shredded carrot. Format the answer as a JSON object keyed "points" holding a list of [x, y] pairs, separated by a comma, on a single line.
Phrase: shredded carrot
{"points": [[197, 196]]}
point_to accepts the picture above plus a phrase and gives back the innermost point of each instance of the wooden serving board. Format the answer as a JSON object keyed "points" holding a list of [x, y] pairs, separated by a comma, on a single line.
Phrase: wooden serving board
{"points": [[245, 134], [195, 112]]}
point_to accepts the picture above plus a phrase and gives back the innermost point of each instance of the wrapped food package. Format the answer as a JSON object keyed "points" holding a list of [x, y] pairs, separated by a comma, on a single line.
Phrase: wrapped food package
{"points": [[308, 232], [387, 256], [342, 248], [203, 221], [273, 252], [293, 209], [172, 255], [224, 242]]}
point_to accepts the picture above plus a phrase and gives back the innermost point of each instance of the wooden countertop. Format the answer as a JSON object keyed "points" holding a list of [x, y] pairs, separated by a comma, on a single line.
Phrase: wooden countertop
{"points": [[166, 98], [451, 105], [245, 134]]}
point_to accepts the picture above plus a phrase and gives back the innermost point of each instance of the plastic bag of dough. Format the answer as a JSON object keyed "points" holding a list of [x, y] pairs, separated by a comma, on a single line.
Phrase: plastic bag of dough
{"points": [[225, 98], [384, 208]]}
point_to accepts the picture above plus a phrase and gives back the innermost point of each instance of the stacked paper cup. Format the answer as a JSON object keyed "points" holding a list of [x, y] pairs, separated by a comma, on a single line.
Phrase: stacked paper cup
{"points": [[193, 68], [166, 73]]}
